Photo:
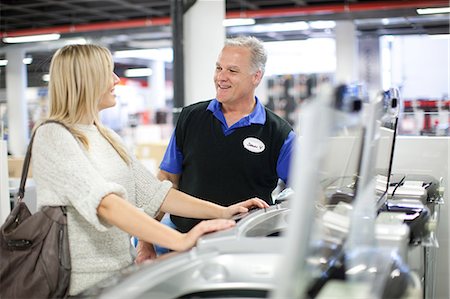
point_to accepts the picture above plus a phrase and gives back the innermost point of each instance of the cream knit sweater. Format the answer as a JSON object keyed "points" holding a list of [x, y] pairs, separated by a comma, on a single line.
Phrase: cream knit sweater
{"points": [[68, 175]]}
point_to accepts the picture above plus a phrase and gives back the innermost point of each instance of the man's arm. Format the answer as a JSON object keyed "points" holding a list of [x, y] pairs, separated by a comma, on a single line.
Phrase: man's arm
{"points": [[174, 178], [172, 160], [146, 251], [164, 175], [284, 158]]}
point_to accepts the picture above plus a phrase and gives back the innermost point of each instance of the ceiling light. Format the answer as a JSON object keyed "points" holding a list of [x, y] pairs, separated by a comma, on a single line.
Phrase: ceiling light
{"points": [[238, 22], [273, 27], [439, 36], [289, 26], [142, 72], [163, 54], [46, 77], [26, 60], [76, 41], [389, 38], [31, 38], [435, 10], [322, 24]]}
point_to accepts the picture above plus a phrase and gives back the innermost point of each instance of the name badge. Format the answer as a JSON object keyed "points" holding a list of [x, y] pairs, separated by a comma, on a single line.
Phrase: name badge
{"points": [[254, 145]]}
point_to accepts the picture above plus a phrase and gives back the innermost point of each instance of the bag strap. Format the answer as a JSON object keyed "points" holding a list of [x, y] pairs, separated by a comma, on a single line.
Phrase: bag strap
{"points": [[26, 162]]}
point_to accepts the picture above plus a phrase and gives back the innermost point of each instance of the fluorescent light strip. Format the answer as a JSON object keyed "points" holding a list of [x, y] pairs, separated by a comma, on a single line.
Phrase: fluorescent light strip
{"points": [[322, 24], [136, 53], [142, 72], [76, 41], [238, 22], [31, 38], [385, 21], [26, 60], [163, 54], [435, 10], [275, 27], [439, 36]]}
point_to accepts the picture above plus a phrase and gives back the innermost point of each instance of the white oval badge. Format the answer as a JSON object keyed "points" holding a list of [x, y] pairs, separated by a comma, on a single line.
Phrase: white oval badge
{"points": [[254, 145]]}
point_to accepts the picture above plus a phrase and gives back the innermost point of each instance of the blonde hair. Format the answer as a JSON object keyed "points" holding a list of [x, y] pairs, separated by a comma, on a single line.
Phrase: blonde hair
{"points": [[79, 76]]}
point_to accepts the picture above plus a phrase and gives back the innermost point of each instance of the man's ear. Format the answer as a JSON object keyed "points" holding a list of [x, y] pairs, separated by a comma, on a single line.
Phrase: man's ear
{"points": [[257, 77]]}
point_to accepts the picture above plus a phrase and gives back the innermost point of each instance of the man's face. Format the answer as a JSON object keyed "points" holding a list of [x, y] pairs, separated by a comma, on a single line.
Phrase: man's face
{"points": [[234, 79]]}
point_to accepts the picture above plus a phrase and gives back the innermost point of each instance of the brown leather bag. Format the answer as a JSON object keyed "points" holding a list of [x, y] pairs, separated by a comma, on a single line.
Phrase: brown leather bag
{"points": [[35, 257]]}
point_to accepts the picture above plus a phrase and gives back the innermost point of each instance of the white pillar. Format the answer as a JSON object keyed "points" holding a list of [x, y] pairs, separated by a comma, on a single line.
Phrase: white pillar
{"points": [[5, 206], [346, 52], [157, 83], [204, 35], [16, 84]]}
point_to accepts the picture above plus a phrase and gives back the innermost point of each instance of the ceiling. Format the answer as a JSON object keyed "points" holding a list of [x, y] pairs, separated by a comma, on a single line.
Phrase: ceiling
{"points": [[23, 17], [129, 24]]}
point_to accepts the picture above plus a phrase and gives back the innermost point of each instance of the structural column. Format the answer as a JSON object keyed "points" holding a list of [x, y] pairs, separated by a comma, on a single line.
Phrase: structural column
{"points": [[346, 52], [204, 35], [16, 84], [5, 207], [157, 83]]}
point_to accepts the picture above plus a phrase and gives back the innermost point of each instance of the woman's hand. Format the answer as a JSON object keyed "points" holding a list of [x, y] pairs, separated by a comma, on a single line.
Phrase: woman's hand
{"points": [[243, 207], [207, 226]]}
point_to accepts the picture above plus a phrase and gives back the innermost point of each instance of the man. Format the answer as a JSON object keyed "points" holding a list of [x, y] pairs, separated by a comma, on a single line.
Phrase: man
{"points": [[229, 148]]}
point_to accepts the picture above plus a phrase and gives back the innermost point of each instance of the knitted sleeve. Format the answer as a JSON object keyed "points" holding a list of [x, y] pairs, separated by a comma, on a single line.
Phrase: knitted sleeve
{"points": [[64, 175], [150, 192]]}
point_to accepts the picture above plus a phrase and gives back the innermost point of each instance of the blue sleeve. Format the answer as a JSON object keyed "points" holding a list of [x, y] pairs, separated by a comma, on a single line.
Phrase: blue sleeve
{"points": [[173, 158], [284, 159]]}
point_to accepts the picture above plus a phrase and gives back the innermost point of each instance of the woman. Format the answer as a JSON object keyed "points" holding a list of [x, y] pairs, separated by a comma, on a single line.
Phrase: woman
{"points": [[109, 195]]}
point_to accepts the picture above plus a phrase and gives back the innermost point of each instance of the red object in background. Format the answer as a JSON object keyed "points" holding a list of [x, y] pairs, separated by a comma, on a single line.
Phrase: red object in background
{"points": [[431, 109], [427, 122], [127, 81], [144, 117], [426, 105]]}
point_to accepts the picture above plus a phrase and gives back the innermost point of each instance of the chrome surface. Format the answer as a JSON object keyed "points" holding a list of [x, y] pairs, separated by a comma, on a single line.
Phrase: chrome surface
{"points": [[198, 273], [251, 232]]}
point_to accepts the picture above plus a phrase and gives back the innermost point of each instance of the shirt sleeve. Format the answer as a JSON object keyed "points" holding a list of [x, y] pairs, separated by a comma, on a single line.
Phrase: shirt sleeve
{"points": [[173, 157], [284, 159], [65, 176]]}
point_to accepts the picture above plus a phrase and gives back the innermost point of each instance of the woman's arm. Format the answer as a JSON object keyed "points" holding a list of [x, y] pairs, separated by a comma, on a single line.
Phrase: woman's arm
{"points": [[182, 204], [119, 212]]}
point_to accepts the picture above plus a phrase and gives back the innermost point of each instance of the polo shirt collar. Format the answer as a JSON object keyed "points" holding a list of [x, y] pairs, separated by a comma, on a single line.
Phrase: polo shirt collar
{"points": [[258, 115]]}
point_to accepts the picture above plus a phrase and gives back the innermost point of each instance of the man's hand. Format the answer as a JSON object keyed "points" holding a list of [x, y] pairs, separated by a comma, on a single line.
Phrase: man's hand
{"points": [[145, 251]]}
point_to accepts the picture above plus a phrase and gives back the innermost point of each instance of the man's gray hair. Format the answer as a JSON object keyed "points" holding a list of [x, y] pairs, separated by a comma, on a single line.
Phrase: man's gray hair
{"points": [[258, 53]]}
